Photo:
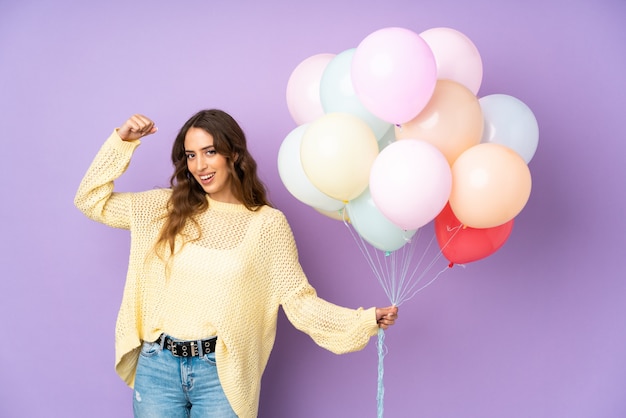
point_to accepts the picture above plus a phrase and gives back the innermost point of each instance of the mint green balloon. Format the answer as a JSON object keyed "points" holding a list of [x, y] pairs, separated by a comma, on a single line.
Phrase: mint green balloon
{"points": [[374, 227], [337, 93]]}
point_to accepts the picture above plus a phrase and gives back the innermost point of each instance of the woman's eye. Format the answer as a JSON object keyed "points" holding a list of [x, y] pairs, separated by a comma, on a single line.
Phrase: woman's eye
{"points": [[190, 156], [211, 152]]}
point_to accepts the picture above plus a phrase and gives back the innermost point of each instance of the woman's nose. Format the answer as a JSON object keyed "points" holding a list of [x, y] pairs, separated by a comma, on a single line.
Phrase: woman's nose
{"points": [[201, 163]]}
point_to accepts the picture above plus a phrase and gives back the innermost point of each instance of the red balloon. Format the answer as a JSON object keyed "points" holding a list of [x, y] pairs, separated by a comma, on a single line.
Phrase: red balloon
{"points": [[461, 244]]}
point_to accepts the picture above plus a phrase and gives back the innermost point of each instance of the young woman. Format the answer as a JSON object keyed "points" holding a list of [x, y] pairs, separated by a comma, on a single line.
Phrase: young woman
{"points": [[210, 264]]}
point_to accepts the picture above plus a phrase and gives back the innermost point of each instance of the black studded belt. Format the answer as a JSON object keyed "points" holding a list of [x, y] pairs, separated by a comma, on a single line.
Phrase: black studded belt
{"points": [[187, 348]]}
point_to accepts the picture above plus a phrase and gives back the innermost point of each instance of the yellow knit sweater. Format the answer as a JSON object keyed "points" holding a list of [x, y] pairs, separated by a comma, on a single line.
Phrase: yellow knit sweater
{"points": [[229, 283]]}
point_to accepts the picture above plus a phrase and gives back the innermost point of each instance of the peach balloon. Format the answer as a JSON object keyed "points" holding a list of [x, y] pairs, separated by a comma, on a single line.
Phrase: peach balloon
{"points": [[452, 120], [491, 184]]}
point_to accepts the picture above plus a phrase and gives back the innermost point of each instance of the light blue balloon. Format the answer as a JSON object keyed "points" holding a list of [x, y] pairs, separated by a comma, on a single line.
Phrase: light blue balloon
{"points": [[388, 138], [373, 226], [510, 122], [337, 93]]}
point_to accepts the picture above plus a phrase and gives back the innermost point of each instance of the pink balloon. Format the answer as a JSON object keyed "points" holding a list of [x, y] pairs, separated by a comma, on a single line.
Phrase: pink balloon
{"points": [[303, 89], [410, 182], [394, 74], [457, 57]]}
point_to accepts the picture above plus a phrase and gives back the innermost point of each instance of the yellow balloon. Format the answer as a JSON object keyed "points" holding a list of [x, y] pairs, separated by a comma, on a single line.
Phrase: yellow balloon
{"points": [[491, 184], [452, 120], [337, 152]]}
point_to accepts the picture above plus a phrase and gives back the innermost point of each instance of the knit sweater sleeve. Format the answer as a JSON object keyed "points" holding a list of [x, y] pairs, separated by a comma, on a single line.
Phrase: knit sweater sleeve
{"points": [[335, 328], [95, 196]]}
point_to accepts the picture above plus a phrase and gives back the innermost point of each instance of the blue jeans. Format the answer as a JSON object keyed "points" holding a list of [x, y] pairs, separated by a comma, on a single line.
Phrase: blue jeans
{"points": [[178, 387]]}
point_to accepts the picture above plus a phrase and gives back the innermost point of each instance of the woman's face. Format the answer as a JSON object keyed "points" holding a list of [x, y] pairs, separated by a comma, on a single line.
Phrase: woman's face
{"points": [[209, 168]]}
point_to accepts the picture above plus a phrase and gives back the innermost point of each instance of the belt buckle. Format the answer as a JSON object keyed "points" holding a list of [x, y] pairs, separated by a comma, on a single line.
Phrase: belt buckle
{"points": [[173, 347], [184, 348]]}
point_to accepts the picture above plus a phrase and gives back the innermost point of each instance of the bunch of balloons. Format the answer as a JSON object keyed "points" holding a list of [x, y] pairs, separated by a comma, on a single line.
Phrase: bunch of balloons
{"points": [[392, 135]]}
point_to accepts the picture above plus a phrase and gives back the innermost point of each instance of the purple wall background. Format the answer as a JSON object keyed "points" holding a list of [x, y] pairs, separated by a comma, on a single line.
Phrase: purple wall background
{"points": [[536, 330]]}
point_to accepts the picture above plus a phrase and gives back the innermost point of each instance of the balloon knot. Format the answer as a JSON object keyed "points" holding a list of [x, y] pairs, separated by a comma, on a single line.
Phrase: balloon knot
{"points": [[450, 265], [387, 253]]}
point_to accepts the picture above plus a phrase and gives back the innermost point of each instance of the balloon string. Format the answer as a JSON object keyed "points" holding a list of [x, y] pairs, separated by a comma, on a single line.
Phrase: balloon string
{"points": [[427, 269], [376, 267], [425, 286], [382, 351], [456, 230], [398, 272]]}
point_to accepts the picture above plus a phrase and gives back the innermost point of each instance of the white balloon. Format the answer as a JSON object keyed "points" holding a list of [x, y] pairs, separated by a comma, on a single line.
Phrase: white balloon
{"points": [[510, 122]]}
